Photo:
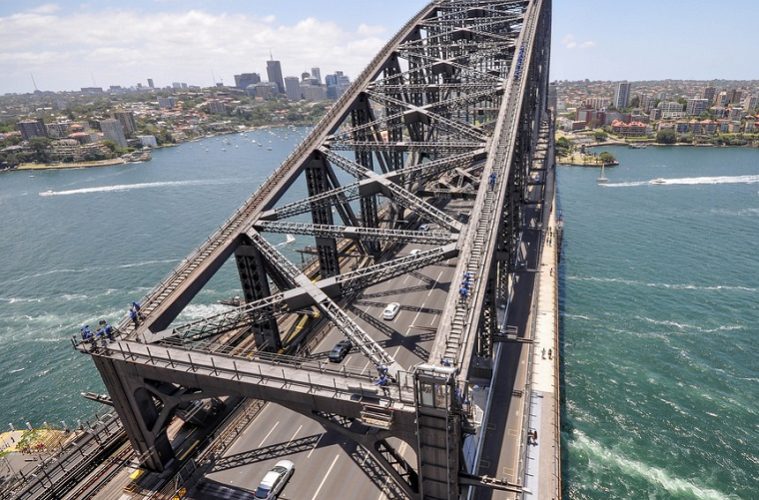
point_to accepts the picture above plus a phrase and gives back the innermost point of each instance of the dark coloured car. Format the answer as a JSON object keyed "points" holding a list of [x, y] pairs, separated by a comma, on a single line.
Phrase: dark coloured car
{"points": [[340, 350]]}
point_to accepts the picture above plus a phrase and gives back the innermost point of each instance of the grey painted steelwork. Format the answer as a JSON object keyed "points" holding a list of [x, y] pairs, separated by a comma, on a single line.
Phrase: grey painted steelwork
{"points": [[450, 107]]}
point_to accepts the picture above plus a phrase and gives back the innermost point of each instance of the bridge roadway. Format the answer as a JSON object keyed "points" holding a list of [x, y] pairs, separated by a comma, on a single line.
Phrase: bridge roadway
{"points": [[344, 469]]}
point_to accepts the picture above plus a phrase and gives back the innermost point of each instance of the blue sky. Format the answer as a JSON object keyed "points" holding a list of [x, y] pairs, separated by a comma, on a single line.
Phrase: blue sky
{"points": [[120, 43]]}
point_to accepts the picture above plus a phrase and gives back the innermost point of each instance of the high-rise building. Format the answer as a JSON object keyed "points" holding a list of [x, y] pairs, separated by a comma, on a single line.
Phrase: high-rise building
{"points": [[150, 83], [313, 92], [112, 130], [735, 96], [176, 85], [167, 102], [709, 93], [622, 95], [317, 74], [274, 72], [750, 103], [126, 118], [336, 84], [722, 99], [244, 79], [263, 90], [31, 128], [647, 103], [217, 107], [696, 106], [292, 86]]}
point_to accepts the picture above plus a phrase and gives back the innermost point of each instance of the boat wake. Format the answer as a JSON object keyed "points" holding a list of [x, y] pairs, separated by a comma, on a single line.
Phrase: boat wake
{"points": [[130, 187], [690, 181]]}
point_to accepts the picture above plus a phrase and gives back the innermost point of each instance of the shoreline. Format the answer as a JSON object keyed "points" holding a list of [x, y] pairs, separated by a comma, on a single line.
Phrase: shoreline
{"points": [[64, 166]]}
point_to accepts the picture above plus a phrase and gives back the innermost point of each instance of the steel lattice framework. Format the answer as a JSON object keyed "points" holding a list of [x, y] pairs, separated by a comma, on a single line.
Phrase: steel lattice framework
{"points": [[451, 106]]}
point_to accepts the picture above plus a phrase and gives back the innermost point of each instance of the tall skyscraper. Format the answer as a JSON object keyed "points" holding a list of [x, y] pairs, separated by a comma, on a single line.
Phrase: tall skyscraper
{"points": [[112, 130], [274, 72], [622, 95], [150, 83], [316, 73], [292, 85]]}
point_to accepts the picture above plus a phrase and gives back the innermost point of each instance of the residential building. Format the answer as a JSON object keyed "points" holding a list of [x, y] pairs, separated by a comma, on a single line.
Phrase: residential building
{"points": [[292, 88], [58, 130], [709, 93], [736, 113], [750, 127], [671, 109], [243, 80], [31, 128], [655, 114], [113, 131], [316, 74], [632, 129], [553, 96], [216, 107], [735, 96], [622, 95], [274, 72], [647, 103], [148, 141], [722, 99], [696, 106], [597, 102], [126, 118], [167, 102], [92, 90], [750, 103]]}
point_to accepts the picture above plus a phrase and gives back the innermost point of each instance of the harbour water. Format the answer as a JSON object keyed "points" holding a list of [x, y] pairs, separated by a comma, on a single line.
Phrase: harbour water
{"points": [[80, 245], [660, 284], [659, 298]]}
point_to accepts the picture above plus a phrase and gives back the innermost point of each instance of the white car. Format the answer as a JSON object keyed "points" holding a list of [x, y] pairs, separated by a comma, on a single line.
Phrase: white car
{"points": [[414, 252], [391, 311], [274, 480]]}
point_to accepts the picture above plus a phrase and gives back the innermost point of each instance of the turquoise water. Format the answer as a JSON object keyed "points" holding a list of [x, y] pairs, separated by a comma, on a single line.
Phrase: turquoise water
{"points": [[659, 298], [659, 317], [101, 239]]}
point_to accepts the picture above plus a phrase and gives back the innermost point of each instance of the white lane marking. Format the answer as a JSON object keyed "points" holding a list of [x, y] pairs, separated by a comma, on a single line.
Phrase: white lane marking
{"points": [[295, 434], [365, 367], [432, 288], [324, 479], [315, 445], [268, 434]]}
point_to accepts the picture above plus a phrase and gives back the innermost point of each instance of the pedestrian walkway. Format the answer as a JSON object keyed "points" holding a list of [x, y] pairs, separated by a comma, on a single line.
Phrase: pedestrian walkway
{"points": [[542, 471]]}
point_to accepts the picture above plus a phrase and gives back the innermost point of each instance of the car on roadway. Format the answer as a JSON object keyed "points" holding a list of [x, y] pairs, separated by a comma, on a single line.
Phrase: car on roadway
{"points": [[414, 252], [391, 311], [340, 350], [274, 481], [424, 227]]}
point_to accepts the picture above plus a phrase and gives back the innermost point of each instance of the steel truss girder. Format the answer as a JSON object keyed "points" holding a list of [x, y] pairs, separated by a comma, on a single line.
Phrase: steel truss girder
{"points": [[343, 284], [357, 233], [339, 318]]}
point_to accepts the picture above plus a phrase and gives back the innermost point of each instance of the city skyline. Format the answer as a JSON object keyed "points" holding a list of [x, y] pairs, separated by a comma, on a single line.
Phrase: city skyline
{"points": [[101, 44]]}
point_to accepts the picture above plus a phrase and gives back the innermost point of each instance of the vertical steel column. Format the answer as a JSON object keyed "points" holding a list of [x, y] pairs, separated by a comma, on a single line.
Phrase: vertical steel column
{"points": [[138, 412], [438, 409], [361, 114], [251, 268], [317, 181]]}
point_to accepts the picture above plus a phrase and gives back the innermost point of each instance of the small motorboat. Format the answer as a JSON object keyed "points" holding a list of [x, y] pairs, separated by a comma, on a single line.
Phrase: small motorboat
{"points": [[658, 181]]}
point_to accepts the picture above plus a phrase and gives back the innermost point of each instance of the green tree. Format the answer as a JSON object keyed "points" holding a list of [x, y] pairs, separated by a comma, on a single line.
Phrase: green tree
{"points": [[563, 146], [600, 136], [666, 136], [40, 149], [607, 158], [635, 102]]}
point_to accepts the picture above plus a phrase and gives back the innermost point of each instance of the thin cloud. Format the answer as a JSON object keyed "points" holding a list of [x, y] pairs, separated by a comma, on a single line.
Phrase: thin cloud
{"points": [[124, 46], [570, 42]]}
